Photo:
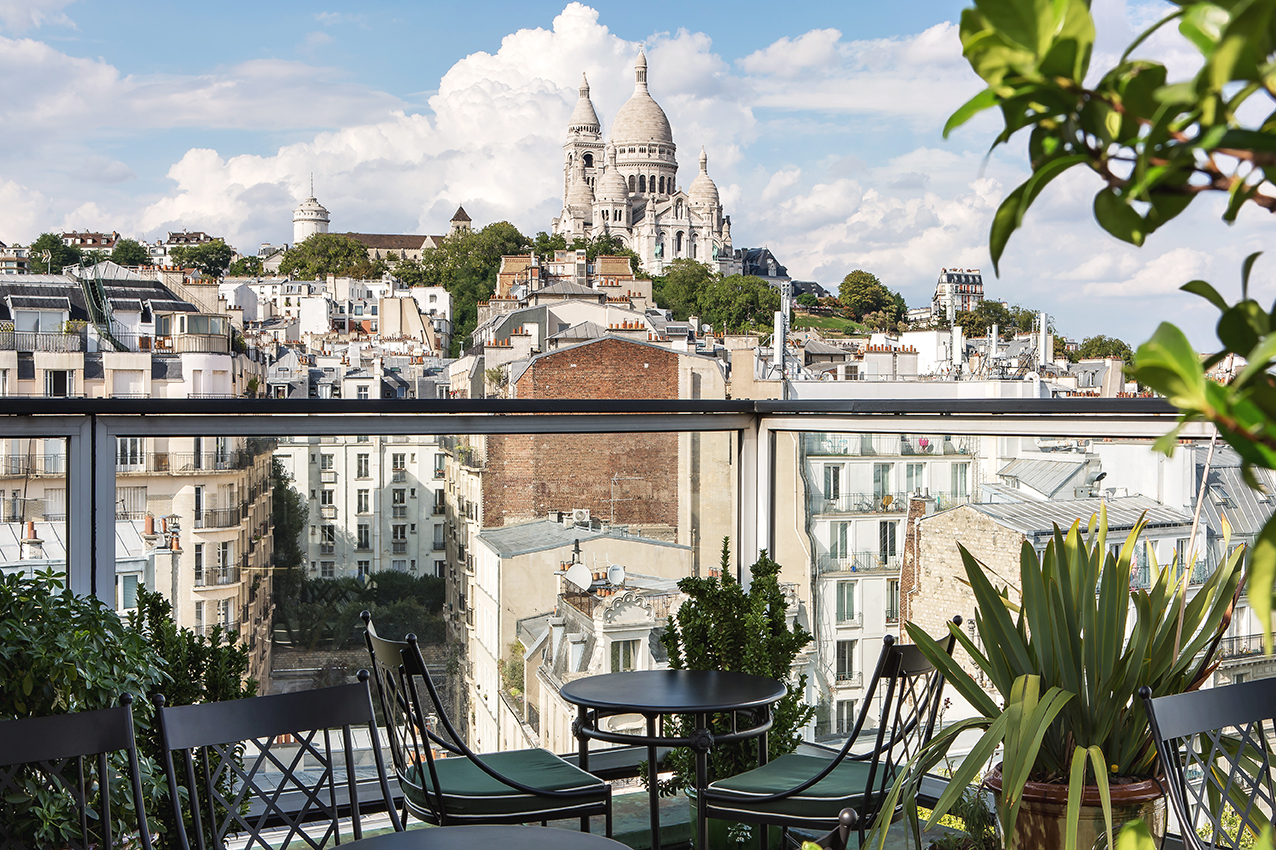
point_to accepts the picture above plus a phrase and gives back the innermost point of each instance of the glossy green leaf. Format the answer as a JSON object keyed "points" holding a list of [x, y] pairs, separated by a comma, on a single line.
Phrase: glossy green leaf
{"points": [[1206, 291], [1246, 268], [1168, 363], [1025, 23], [1262, 578], [986, 99], [1010, 214], [1118, 218]]}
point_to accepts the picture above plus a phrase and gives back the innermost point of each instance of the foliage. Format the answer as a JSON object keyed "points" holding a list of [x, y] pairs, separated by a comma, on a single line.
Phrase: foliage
{"points": [[1243, 410], [605, 244], [678, 290], [1101, 346], [61, 653], [245, 267], [130, 252], [512, 669], [722, 626], [61, 255], [861, 293], [466, 265], [322, 254], [1155, 145], [807, 299], [324, 612], [210, 258], [93, 257], [288, 513], [1067, 665], [738, 303]]}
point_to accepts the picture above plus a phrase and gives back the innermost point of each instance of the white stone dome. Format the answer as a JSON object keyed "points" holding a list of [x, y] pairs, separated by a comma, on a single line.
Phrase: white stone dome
{"points": [[703, 191], [310, 209], [584, 118], [612, 186], [580, 195], [641, 119]]}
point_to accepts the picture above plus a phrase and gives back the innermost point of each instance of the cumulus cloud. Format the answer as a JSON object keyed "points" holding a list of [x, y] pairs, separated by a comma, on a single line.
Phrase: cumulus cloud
{"points": [[22, 15]]}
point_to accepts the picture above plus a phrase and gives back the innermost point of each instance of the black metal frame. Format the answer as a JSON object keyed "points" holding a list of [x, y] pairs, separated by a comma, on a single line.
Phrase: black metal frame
{"points": [[1215, 750], [910, 707], [56, 746], [398, 666], [219, 781]]}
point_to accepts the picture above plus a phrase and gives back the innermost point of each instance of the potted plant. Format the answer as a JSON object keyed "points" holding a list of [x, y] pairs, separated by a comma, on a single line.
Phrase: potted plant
{"points": [[722, 626], [1065, 666]]}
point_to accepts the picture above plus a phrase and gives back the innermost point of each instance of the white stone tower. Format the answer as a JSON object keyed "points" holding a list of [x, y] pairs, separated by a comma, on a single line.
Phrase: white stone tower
{"points": [[309, 218]]}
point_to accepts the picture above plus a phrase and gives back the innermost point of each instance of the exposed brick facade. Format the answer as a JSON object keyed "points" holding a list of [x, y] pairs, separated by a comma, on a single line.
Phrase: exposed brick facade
{"points": [[529, 475]]}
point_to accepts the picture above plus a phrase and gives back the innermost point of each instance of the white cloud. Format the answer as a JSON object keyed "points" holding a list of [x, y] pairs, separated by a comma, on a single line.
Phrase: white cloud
{"points": [[1160, 275], [101, 169], [22, 15], [25, 212]]}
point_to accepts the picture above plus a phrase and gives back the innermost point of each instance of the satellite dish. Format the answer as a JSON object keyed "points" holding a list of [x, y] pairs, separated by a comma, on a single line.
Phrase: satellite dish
{"points": [[616, 575], [706, 327], [580, 576]]}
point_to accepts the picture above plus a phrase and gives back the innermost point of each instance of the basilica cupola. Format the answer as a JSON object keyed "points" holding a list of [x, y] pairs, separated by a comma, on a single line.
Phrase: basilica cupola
{"points": [[645, 152], [703, 191], [584, 119], [580, 196]]}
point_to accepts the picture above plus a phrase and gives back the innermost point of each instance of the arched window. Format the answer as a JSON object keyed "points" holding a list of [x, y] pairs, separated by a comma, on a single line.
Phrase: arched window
{"points": [[633, 184], [662, 184], [651, 181], [589, 160], [605, 214], [677, 243], [642, 183], [693, 248]]}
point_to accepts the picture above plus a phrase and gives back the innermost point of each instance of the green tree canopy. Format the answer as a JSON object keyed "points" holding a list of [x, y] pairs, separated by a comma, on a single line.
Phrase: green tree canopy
{"points": [[605, 244], [289, 511], [323, 254], [60, 256], [1104, 346], [861, 293], [679, 289], [130, 252], [738, 302], [210, 258], [245, 267], [466, 265]]}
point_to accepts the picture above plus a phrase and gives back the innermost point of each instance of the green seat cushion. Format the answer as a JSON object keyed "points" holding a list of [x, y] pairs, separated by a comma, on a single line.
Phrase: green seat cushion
{"points": [[468, 792], [821, 802]]}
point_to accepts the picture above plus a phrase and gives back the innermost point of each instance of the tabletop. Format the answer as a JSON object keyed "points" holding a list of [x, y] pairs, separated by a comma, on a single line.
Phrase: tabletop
{"points": [[470, 837], [673, 691]]}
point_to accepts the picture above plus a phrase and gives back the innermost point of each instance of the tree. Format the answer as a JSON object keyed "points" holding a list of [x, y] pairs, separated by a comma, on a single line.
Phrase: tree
{"points": [[604, 244], [862, 293], [738, 302], [93, 257], [288, 514], [323, 254], [1155, 145], [1104, 346], [60, 256], [466, 265], [680, 288], [807, 299], [245, 267], [211, 259], [130, 252]]}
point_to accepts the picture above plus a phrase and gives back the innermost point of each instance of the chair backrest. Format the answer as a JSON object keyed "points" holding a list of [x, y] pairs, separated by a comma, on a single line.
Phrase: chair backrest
{"points": [[253, 764], [1216, 753], [408, 697], [69, 756]]}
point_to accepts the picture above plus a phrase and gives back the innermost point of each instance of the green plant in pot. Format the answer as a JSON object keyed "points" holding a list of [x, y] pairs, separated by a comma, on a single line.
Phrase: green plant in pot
{"points": [[1065, 665], [723, 626]]}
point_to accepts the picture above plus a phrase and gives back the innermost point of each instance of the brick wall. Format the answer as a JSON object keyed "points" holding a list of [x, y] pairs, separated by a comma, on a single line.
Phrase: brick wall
{"points": [[530, 475]]}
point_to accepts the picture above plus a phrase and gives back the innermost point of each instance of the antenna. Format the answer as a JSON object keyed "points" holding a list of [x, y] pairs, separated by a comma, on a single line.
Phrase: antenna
{"points": [[580, 576]]}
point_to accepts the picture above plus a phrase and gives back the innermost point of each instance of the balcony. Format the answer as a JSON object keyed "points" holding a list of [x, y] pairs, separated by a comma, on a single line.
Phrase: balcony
{"points": [[887, 445], [858, 562], [439, 546], [398, 476], [853, 679], [216, 577], [328, 511], [218, 518], [1243, 646], [438, 510], [850, 621], [863, 503], [32, 341], [33, 465]]}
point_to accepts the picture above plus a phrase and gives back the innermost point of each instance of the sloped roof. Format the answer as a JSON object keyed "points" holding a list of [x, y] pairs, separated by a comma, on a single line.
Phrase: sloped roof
{"points": [[536, 536], [1045, 476], [1039, 518], [567, 288], [389, 241], [1227, 494], [584, 330], [460, 214]]}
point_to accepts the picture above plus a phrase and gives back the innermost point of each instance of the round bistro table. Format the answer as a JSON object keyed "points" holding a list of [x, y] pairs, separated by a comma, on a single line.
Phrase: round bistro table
{"points": [[470, 837], [657, 693]]}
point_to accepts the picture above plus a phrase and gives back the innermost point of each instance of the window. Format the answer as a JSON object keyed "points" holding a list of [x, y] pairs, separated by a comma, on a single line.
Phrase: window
{"points": [[623, 655], [365, 567], [833, 481], [892, 601], [438, 538], [362, 391], [838, 540], [845, 717], [365, 537], [438, 465], [326, 497], [886, 533], [846, 601], [960, 471], [199, 565], [327, 569], [327, 539], [199, 617], [128, 453], [399, 539], [362, 466], [399, 463], [363, 438], [363, 501], [913, 477], [223, 612], [846, 660], [399, 503], [439, 505], [439, 566], [881, 481], [225, 555], [325, 461], [399, 566], [59, 383]]}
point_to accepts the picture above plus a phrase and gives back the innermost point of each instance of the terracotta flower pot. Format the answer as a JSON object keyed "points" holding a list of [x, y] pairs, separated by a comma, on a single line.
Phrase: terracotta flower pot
{"points": [[1043, 824]]}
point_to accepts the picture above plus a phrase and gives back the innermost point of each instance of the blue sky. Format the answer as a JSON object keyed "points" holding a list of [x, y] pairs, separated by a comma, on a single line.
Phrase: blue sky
{"points": [[821, 122]]}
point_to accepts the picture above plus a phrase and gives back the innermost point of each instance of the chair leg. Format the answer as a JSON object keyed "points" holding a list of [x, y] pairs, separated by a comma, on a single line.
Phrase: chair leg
{"points": [[607, 819]]}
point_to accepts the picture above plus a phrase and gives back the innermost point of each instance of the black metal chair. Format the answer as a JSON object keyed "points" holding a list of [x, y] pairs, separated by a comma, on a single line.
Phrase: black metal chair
{"points": [[1215, 750], [839, 789], [69, 755], [458, 786], [248, 767]]}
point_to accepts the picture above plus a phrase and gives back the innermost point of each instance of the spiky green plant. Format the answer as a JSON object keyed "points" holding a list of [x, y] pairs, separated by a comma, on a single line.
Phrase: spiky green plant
{"points": [[1067, 664]]}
